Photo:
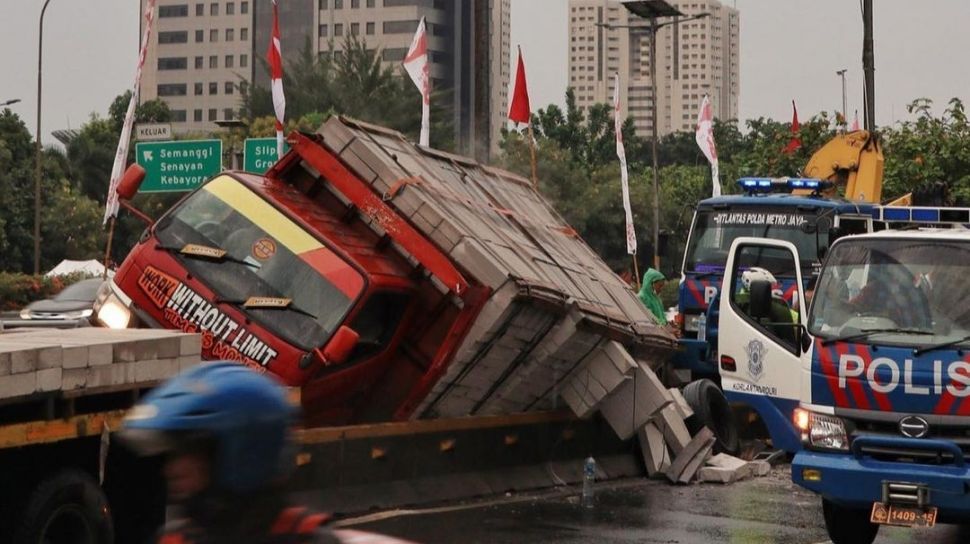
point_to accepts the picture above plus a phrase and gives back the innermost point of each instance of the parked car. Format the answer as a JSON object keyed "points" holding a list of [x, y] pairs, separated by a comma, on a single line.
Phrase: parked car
{"points": [[74, 303]]}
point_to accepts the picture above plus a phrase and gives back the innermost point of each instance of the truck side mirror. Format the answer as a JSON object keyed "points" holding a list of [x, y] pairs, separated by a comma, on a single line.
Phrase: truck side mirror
{"points": [[759, 304], [130, 182], [340, 346]]}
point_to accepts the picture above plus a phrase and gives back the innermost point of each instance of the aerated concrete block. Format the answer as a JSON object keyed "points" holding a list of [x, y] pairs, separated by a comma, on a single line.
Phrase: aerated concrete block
{"points": [[4, 364], [190, 345], [74, 378], [155, 370], [725, 469], [23, 360], [656, 457], [48, 379], [760, 468], [634, 402], [689, 461], [680, 403], [479, 262], [672, 425], [18, 385]]}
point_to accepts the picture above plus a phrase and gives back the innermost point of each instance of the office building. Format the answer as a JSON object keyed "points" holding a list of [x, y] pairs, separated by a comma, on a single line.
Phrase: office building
{"points": [[201, 49], [695, 58]]}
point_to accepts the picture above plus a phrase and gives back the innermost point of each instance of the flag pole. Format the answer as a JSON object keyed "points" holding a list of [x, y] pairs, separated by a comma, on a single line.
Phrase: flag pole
{"points": [[532, 149], [107, 249], [636, 272]]}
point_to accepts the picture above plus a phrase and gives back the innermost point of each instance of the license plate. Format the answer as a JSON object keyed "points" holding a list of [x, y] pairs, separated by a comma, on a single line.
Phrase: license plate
{"points": [[888, 514]]}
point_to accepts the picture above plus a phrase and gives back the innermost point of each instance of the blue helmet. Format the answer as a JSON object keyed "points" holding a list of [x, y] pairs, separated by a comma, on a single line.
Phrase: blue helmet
{"points": [[243, 415]]}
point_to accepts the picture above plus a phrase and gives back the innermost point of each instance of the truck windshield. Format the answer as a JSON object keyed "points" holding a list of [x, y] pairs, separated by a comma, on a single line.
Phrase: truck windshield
{"points": [[715, 230], [898, 292], [267, 255]]}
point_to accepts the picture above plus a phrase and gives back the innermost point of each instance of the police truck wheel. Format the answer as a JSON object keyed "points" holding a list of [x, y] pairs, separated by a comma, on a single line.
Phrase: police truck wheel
{"points": [[848, 526], [67, 508], [712, 410]]}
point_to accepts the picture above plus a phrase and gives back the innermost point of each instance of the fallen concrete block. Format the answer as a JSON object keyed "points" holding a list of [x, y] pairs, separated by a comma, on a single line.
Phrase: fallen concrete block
{"points": [[633, 403], [725, 469], [680, 403], [656, 457], [689, 461], [760, 468], [672, 425]]}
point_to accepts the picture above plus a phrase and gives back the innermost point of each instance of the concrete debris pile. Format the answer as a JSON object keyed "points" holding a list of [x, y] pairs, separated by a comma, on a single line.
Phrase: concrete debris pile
{"points": [[632, 399], [86, 360]]}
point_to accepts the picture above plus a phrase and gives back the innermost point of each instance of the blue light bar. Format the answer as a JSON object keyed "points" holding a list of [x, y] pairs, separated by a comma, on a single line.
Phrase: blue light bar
{"points": [[753, 184]]}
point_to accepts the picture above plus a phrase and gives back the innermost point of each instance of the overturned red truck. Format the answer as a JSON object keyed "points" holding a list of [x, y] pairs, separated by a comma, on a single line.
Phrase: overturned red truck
{"points": [[387, 280]]}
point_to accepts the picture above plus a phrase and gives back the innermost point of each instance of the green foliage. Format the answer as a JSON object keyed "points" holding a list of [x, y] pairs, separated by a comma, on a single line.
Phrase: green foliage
{"points": [[354, 82], [929, 149]]}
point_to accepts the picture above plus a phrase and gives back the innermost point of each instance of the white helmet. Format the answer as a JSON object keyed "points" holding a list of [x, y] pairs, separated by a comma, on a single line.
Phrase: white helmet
{"points": [[756, 273]]}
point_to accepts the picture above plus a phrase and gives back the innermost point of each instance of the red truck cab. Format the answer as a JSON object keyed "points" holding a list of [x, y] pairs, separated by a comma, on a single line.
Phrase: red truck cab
{"points": [[271, 279]]}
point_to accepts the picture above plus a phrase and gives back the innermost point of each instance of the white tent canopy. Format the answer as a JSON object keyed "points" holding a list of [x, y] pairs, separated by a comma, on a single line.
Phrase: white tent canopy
{"points": [[91, 267]]}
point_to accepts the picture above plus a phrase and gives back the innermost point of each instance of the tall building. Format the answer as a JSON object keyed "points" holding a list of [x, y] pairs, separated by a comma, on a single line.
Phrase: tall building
{"points": [[695, 58], [469, 49]]}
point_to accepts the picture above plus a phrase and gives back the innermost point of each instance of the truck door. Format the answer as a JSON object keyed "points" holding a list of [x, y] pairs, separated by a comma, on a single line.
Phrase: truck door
{"points": [[759, 349]]}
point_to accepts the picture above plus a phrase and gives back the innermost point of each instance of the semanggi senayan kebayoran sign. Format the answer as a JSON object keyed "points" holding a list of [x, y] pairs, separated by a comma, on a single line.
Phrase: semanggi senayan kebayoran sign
{"points": [[178, 166]]}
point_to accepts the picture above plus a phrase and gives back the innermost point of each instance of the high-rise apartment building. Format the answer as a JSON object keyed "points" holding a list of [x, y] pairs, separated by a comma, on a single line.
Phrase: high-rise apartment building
{"points": [[200, 49], [695, 58]]}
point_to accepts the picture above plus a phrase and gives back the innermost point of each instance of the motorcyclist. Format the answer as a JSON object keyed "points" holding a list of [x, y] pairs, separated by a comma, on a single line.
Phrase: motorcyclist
{"points": [[226, 434]]}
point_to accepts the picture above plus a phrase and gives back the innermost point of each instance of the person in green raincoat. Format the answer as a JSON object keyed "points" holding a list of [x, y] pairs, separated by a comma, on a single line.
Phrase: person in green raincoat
{"points": [[653, 282]]}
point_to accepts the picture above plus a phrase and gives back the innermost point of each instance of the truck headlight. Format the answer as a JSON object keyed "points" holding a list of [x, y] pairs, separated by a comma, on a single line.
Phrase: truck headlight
{"points": [[821, 431], [111, 307]]}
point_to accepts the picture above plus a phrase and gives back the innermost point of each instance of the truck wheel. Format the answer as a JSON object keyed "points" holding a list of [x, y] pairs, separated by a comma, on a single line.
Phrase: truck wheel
{"points": [[67, 508], [712, 410], [848, 526]]}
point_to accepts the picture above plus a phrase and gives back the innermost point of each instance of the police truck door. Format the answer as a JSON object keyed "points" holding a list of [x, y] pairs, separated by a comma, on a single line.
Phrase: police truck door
{"points": [[759, 349]]}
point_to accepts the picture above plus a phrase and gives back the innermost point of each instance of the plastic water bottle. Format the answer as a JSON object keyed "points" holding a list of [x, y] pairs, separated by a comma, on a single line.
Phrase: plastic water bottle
{"points": [[589, 476], [702, 327]]}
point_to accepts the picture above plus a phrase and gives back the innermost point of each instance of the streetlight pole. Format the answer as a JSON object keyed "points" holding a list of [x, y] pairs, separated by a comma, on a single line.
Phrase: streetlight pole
{"points": [[845, 107], [9, 102], [652, 10], [40, 58]]}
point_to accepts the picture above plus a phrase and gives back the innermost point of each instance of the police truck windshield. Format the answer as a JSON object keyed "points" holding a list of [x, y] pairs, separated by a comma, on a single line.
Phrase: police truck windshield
{"points": [[304, 289], [715, 230], [896, 292]]}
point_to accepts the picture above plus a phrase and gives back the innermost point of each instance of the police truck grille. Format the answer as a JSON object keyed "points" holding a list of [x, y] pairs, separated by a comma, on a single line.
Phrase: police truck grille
{"points": [[871, 427]]}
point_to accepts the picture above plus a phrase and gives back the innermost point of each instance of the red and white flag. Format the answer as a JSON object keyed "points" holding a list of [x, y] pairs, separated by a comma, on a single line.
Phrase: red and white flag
{"points": [[795, 141], [417, 66], [855, 121], [275, 58], [519, 110], [631, 233], [121, 154], [704, 135]]}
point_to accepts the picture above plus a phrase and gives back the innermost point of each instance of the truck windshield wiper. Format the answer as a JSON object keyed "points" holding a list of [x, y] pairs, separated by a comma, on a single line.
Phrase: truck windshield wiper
{"points": [[941, 345], [869, 332], [266, 303], [211, 253]]}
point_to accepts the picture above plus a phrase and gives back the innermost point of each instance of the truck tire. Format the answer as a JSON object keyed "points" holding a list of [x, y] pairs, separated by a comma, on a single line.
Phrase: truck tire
{"points": [[66, 508], [712, 410], [848, 526]]}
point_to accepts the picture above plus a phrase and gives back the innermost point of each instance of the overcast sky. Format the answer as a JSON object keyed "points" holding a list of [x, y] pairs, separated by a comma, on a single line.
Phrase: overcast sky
{"points": [[790, 49]]}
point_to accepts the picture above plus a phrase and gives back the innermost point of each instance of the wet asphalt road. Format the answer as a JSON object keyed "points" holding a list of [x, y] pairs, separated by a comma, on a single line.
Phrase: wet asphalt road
{"points": [[764, 510]]}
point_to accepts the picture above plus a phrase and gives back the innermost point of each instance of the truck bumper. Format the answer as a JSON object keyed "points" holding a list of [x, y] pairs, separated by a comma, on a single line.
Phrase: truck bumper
{"points": [[856, 481]]}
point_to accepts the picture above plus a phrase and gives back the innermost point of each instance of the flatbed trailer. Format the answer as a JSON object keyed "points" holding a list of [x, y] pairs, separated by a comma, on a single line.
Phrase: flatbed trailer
{"points": [[64, 473]]}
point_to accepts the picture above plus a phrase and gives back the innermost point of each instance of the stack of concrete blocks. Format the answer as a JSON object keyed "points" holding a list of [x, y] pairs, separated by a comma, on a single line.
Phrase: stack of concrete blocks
{"points": [[635, 403], [544, 281], [89, 360]]}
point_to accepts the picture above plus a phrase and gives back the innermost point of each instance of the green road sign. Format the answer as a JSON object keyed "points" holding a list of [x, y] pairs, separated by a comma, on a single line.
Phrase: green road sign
{"points": [[178, 166], [260, 154]]}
